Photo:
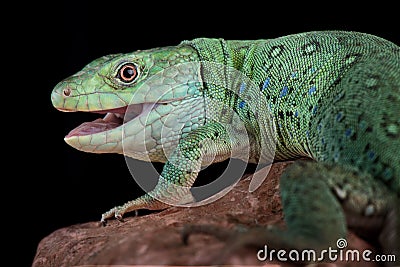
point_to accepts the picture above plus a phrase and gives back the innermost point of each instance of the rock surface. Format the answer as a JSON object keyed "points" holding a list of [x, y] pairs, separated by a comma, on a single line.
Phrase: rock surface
{"points": [[155, 239]]}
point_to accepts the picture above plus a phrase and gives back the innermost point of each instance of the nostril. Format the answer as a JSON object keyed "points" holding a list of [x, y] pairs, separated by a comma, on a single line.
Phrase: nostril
{"points": [[66, 91]]}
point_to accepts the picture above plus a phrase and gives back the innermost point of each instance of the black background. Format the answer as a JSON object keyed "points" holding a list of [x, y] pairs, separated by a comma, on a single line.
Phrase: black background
{"points": [[60, 186]]}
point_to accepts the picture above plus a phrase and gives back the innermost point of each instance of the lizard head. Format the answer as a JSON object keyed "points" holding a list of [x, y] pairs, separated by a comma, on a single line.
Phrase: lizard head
{"points": [[142, 97]]}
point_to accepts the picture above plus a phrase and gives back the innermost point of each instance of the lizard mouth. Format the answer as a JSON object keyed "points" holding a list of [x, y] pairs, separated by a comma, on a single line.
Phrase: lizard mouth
{"points": [[114, 118]]}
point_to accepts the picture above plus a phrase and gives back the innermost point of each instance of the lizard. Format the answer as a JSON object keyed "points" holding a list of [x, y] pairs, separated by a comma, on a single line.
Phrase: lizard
{"points": [[332, 97]]}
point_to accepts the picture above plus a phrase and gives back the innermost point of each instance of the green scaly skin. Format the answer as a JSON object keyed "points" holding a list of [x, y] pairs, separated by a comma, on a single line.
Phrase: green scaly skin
{"points": [[334, 97]]}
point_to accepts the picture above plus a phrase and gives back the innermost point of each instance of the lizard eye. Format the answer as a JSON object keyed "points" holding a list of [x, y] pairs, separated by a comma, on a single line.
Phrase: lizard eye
{"points": [[127, 73]]}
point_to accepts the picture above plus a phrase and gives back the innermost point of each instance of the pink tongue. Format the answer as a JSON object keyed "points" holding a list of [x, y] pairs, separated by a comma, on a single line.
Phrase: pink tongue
{"points": [[93, 127]]}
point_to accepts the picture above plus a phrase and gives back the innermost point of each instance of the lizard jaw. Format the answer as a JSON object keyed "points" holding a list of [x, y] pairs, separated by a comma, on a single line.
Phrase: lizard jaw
{"points": [[114, 118]]}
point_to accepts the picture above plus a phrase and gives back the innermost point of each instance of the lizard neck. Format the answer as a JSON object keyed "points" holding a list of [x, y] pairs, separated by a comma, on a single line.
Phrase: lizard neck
{"points": [[243, 91], [228, 53]]}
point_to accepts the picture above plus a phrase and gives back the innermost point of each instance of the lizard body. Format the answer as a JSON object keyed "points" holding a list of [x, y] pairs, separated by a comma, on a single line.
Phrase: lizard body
{"points": [[333, 97]]}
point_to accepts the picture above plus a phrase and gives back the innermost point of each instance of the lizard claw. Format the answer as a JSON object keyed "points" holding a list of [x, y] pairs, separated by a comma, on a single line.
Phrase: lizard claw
{"points": [[114, 212], [118, 217], [103, 222], [107, 215]]}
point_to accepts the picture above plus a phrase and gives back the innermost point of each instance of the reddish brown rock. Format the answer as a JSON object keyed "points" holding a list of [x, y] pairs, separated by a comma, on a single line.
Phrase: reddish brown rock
{"points": [[155, 239]]}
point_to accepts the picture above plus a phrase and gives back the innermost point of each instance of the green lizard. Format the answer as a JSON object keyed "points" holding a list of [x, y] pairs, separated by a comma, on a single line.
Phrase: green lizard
{"points": [[330, 96]]}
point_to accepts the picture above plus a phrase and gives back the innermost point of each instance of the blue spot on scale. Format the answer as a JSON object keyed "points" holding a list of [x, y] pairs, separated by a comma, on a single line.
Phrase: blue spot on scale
{"points": [[348, 132], [371, 154], [387, 174], [296, 114], [242, 104], [314, 111], [339, 116], [284, 91], [336, 156], [242, 87], [266, 83], [312, 90], [294, 74]]}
